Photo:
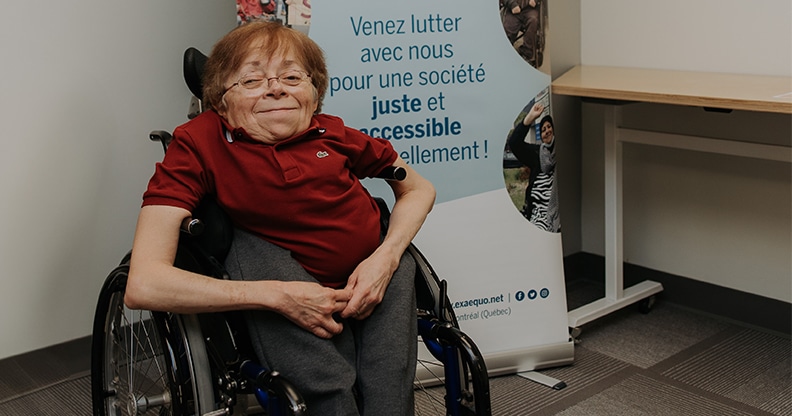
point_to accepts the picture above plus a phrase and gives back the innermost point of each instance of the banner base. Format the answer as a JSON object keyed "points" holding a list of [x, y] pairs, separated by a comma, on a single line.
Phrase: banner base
{"points": [[514, 361], [540, 378]]}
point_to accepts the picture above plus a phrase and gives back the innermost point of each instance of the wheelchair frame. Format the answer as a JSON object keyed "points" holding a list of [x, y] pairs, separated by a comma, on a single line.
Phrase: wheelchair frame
{"points": [[160, 363]]}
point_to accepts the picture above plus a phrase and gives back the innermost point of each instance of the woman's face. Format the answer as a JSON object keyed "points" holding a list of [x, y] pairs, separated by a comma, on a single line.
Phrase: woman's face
{"points": [[547, 132], [274, 111]]}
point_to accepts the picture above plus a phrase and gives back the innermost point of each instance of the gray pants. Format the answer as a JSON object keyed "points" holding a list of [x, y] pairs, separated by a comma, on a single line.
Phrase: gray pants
{"points": [[368, 369]]}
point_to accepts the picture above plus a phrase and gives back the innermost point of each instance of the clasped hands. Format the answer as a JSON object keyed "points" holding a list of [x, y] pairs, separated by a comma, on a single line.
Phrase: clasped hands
{"points": [[320, 310]]}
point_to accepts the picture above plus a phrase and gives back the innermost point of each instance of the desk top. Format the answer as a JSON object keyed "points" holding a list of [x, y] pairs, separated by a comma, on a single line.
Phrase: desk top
{"points": [[706, 89]]}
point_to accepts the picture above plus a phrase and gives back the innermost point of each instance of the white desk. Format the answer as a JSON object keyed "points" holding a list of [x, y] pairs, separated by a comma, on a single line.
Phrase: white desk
{"points": [[622, 85]]}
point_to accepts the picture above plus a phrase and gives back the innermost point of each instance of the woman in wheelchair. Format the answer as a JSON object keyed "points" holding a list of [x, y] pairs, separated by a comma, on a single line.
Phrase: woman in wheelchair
{"points": [[330, 300]]}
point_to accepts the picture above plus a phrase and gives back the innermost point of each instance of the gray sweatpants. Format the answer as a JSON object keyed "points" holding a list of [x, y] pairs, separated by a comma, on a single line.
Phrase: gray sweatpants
{"points": [[368, 369]]}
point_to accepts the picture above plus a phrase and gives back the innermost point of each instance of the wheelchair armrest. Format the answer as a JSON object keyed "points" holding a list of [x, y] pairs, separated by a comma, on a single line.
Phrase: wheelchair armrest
{"points": [[161, 136], [210, 229]]}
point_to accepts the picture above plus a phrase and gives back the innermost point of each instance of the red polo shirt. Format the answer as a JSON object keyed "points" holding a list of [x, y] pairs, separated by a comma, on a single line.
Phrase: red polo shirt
{"points": [[303, 194]]}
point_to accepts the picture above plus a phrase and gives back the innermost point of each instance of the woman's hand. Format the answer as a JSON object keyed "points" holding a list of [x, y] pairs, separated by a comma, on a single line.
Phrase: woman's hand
{"points": [[312, 306], [368, 284], [533, 114]]}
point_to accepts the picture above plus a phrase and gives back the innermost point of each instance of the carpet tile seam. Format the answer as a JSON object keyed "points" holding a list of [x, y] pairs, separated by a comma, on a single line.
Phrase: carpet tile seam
{"points": [[704, 393]]}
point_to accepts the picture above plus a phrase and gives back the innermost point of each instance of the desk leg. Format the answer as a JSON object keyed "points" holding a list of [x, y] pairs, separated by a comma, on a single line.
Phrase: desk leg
{"points": [[616, 296], [614, 251]]}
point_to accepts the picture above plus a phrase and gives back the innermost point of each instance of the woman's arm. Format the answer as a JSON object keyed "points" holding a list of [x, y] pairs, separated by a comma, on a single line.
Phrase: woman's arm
{"points": [[415, 197], [155, 284], [527, 154]]}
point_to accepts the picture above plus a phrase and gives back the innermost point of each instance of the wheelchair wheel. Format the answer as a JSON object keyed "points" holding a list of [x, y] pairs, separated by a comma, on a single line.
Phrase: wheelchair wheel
{"points": [[454, 359], [459, 366], [146, 363]]}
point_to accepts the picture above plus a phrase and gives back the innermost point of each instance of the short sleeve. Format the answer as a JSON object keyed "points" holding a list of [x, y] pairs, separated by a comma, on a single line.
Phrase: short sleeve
{"points": [[373, 154], [180, 179]]}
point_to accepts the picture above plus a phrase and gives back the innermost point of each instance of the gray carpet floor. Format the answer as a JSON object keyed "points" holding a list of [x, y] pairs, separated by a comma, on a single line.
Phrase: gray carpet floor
{"points": [[671, 361], [668, 362]]}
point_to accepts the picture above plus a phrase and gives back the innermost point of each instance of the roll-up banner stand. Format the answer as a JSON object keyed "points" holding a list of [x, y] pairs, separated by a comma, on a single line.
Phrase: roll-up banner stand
{"points": [[449, 82]]}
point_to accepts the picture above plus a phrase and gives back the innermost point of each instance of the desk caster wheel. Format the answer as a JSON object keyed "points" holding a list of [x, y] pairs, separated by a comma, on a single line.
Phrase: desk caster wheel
{"points": [[646, 305], [574, 333]]}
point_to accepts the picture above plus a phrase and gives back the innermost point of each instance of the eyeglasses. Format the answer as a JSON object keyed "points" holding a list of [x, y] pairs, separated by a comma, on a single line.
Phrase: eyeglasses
{"points": [[255, 81]]}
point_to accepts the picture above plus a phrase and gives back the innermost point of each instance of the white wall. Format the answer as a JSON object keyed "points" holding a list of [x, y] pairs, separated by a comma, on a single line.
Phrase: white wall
{"points": [[718, 219], [734, 36], [82, 85]]}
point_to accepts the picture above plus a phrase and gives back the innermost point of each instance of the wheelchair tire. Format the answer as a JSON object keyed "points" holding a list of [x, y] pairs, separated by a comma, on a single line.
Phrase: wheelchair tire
{"points": [[457, 363], [146, 363], [460, 368]]}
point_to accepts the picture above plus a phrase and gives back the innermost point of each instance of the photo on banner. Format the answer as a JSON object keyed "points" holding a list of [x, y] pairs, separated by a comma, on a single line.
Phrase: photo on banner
{"points": [[529, 165], [448, 83], [294, 13]]}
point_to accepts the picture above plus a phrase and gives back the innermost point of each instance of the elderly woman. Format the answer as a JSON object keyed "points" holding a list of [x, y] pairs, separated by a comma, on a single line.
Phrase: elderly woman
{"points": [[330, 299]]}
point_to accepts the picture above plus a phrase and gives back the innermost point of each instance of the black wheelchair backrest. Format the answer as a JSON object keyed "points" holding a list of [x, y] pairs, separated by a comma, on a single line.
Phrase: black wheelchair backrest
{"points": [[194, 62]]}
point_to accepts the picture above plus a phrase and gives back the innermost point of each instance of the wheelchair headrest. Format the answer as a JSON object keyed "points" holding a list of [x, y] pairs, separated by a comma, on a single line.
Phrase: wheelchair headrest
{"points": [[194, 61]]}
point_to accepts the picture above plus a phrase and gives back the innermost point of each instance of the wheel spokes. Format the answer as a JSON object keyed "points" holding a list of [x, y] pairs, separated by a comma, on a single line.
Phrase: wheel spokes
{"points": [[139, 382]]}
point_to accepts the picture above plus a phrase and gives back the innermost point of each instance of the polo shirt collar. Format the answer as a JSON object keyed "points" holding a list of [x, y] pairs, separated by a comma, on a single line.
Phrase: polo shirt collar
{"points": [[233, 134]]}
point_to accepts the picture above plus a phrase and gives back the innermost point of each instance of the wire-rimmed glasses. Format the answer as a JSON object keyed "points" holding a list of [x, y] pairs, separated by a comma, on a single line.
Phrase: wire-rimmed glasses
{"points": [[254, 81]]}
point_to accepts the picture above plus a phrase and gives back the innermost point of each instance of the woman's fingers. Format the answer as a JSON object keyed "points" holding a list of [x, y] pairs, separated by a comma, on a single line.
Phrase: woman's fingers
{"points": [[314, 307]]}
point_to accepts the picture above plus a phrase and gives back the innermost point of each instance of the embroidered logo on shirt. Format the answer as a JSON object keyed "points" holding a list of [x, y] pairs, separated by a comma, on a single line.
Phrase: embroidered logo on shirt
{"points": [[322, 154]]}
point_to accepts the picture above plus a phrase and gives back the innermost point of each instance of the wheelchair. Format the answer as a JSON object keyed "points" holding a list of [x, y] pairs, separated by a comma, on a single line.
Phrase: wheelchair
{"points": [[541, 34], [159, 363]]}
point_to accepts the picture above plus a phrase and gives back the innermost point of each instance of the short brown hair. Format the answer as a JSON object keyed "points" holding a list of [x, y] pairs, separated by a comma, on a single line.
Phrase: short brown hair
{"points": [[271, 38]]}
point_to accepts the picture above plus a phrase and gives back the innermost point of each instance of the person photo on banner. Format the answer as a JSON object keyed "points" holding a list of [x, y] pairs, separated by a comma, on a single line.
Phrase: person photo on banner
{"points": [[258, 10], [522, 21], [299, 12], [541, 196]]}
